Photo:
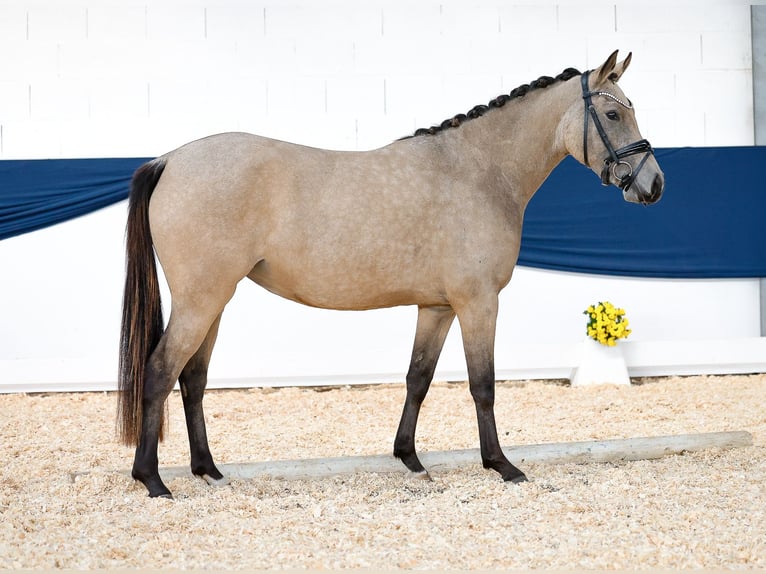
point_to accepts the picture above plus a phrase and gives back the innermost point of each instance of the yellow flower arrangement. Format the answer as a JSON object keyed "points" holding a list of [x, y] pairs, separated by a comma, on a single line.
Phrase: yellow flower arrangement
{"points": [[606, 323]]}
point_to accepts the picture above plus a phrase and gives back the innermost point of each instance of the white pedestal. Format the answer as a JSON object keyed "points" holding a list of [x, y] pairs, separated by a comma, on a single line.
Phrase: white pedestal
{"points": [[600, 365]]}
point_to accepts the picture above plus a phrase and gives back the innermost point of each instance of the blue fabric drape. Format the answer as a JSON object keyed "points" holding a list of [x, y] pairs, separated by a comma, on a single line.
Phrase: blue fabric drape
{"points": [[38, 193], [708, 224]]}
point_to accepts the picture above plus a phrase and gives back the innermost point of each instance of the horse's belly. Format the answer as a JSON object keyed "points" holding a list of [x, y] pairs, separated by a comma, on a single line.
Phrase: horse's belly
{"points": [[349, 290]]}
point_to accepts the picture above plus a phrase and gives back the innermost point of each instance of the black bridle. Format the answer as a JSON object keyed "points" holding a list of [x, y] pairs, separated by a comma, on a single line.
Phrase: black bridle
{"points": [[620, 169]]}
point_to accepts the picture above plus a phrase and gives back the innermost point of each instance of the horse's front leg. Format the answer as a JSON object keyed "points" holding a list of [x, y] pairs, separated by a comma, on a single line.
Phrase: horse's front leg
{"points": [[433, 325], [477, 324]]}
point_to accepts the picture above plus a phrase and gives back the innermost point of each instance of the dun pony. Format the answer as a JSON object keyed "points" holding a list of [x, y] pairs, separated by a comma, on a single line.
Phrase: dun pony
{"points": [[432, 220]]}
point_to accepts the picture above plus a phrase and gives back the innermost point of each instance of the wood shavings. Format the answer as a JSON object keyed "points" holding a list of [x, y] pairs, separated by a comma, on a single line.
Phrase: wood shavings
{"points": [[699, 510]]}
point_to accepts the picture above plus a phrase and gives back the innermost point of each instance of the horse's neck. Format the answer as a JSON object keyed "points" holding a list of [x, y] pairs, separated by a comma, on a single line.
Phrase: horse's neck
{"points": [[524, 138]]}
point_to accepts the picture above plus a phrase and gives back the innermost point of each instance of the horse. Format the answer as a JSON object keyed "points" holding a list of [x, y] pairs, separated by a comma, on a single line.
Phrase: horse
{"points": [[433, 219]]}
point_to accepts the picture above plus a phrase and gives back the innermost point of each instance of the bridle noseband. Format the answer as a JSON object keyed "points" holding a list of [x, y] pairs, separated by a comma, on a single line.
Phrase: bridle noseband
{"points": [[620, 169]]}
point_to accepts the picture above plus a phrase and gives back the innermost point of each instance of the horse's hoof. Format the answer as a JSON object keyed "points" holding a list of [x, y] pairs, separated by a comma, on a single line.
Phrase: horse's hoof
{"points": [[518, 479], [421, 475], [155, 486], [164, 495], [223, 481]]}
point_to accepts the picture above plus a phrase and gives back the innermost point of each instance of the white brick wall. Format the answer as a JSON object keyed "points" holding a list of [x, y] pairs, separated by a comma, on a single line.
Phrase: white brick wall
{"points": [[91, 78], [175, 70], [60, 22]]}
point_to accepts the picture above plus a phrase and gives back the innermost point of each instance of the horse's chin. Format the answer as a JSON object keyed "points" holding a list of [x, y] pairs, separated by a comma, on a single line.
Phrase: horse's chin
{"points": [[636, 194], [631, 195]]}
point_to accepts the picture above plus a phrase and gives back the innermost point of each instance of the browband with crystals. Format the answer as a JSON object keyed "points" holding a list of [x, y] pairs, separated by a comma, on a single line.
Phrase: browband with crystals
{"points": [[615, 98]]}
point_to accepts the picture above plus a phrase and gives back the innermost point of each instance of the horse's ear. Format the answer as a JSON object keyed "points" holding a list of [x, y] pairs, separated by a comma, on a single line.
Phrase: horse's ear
{"points": [[620, 68], [607, 69]]}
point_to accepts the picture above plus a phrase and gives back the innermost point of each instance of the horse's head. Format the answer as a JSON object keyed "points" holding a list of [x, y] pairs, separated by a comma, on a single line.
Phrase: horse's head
{"points": [[611, 144]]}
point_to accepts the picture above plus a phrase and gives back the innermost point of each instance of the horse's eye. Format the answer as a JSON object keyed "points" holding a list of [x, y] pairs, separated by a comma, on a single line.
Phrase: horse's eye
{"points": [[612, 115]]}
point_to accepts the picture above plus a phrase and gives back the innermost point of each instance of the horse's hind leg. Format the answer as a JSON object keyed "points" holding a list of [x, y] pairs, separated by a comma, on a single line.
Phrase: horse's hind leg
{"points": [[157, 386], [193, 381], [186, 332], [433, 326]]}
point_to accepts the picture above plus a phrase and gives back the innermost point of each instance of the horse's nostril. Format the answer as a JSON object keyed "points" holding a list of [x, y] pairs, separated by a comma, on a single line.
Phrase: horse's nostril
{"points": [[657, 185]]}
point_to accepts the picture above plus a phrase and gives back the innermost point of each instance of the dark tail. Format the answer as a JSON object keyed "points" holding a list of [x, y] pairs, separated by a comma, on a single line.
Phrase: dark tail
{"points": [[142, 321]]}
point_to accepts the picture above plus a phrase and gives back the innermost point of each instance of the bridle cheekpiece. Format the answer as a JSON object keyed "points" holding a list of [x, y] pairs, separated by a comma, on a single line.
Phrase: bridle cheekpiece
{"points": [[615, 163]]}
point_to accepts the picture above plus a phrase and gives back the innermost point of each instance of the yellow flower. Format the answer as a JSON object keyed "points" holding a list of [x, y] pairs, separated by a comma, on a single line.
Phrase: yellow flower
{"points": [[606, 323]]}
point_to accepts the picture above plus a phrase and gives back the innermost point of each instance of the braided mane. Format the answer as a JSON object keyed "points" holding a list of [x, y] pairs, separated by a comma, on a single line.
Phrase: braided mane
{"points": [[498, 102]]}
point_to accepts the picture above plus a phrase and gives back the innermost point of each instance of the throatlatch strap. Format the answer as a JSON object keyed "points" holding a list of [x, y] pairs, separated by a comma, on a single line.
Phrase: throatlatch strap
{"points": [[586, 100]]}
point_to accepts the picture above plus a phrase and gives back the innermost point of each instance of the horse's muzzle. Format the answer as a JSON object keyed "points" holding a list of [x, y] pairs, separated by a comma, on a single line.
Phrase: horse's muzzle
{"points": [[655, 191], [646, 190]]}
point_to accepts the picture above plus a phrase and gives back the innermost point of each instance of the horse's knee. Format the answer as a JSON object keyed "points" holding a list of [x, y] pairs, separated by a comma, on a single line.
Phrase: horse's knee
{"points": [[419, 377], [483, 393], [417, 387]]}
